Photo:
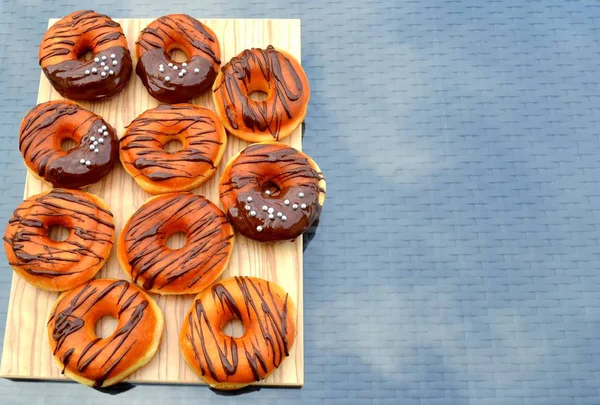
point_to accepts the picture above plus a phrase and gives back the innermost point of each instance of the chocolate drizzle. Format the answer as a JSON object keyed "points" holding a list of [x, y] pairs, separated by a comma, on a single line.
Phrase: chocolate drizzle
{"points": [[88, 245], [142, 145], [44, 128], [286, 174], [189, 269], [100, 359], [265, 70], [71, 37], [262, 307], [188, 34]]}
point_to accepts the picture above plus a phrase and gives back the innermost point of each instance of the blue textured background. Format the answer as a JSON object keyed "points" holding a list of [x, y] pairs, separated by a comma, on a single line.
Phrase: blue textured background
{"points": [[457, 257]]}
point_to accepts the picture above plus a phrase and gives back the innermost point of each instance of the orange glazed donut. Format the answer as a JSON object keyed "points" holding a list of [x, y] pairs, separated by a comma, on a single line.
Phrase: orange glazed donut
{"points": [[52, 265], [94, 361], [270, 71], [47, 125], [203, 142], [167, 80], [272, 192], [64, 45], [144, 256], [227, 363]]}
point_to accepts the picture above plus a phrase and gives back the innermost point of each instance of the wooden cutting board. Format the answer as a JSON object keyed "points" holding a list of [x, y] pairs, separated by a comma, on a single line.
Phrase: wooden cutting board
{"points": [[26, 352]]}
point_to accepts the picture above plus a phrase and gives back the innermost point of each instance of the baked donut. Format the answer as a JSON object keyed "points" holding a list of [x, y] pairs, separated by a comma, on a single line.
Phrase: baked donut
{"points": [[227, 363], [167, 80], [144, 256], [53, 265], [273, 72], [92, 360], [66, 42], [203, 142], [272, 192], [47, 125]]}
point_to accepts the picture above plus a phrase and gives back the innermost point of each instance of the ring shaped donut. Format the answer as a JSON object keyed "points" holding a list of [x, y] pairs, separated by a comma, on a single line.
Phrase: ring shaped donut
{"points": [[224, 362], [203, 140], [53, 265], [273, 72], [272, 192], [66, 42], [170, 81], [100, 362], [145, 257], [47, 125]]}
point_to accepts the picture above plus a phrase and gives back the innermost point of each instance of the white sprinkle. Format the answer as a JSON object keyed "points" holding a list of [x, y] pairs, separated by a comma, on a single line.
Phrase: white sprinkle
{"points": [[167, 78], [259, 228], [104, 127], [303, 206], [264, 208], [161, 69], [247, 207], [170, 64], [180, 74], [301, 194], [87, 163], [268, 192], [96, 150], [252, 213], [161, 66], [103, 57], [94, 70], [101, 140], [295, 206], [184, 64], [271, 216], [110, 72], [112, 56], [102, 63], [105, 133], [284, 218], [103, 74], [175, 67], [279, 214], [196, 70], [106, 68], [286, 202], [87, 72], [115, 63], [100, 130], [92, 147], [95, 143], [271, 210], [96, 60], [249, 199], [183, 71], [82, 161], [93, 138]]}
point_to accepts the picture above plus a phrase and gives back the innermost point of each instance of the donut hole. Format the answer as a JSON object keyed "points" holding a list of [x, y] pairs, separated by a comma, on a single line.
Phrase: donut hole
{"points": [[85, 55], [234, 328], [58, 233], [176, 241], [105, 326], [258, 95], [67, 144], [178, 55], [270, 189], [173, 146]]}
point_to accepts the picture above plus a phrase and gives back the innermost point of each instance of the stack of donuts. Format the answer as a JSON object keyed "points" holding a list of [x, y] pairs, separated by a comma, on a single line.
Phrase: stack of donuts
{"points": [[269, 192]]}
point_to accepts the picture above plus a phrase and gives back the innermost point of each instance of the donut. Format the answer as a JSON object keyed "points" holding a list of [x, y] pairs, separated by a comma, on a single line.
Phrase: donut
{"points": [[64, 46], [100, 362], [53, 265], [170, 81], [273, 72], [227, 363], [47, 125], [145, 258], [272, 192], [203, 142]]}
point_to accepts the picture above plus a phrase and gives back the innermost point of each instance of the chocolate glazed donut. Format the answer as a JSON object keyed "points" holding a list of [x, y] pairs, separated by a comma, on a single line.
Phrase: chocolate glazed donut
{"points": [[47, 125], [167, 80], [272, 192], [99, 78]]}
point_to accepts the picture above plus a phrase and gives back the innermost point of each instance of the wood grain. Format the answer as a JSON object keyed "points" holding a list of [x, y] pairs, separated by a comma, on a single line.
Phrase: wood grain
{"points": [[26, 352]]}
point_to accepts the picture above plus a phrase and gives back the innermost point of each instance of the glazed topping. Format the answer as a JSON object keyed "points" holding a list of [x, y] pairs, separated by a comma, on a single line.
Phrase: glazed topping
{"points": [[100, 359], [271, 192], [91, 230], [264, 70], [195, 127], [270, 331], [48, 124], [198, 263]]}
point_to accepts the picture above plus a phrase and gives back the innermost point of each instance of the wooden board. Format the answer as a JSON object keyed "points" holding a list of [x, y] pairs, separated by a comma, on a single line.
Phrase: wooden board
{"points": [[26, 352]]}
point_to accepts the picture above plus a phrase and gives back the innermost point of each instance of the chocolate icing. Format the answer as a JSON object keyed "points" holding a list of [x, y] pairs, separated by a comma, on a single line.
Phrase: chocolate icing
{"points": [[43, 129], [285, 173]]}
